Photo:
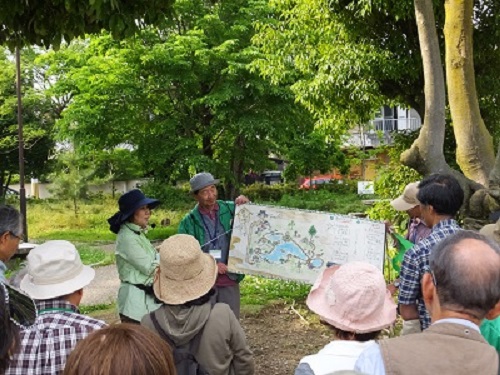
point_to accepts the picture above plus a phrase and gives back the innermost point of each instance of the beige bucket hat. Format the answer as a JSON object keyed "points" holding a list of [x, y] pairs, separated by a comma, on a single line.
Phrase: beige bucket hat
{"points": [[408, 199], [185, 271]]}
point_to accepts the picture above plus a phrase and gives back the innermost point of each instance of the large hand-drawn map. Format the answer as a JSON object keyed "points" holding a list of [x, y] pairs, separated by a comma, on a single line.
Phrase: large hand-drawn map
{"points": [[297, 244]]}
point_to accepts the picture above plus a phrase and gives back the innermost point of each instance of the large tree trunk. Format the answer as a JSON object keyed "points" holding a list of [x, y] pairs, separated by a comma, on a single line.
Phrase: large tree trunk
{"points": [[475, 150], [426, 154]]}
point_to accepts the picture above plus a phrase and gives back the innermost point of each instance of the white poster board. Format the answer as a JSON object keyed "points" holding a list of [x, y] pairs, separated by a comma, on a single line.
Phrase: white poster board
{"points": [[297, 244]]}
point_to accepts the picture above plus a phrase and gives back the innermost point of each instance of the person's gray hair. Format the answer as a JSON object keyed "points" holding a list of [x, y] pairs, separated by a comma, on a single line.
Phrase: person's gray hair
{"points": [[10, 220], [464, 283]]}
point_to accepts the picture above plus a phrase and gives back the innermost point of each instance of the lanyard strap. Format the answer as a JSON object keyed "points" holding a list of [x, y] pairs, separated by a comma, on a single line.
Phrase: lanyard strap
{"points": [[49, 310], [213, 237]]}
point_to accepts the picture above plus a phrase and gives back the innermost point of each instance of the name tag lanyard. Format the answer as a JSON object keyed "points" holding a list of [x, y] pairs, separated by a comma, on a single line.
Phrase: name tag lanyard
{"points": [[214, 238]]}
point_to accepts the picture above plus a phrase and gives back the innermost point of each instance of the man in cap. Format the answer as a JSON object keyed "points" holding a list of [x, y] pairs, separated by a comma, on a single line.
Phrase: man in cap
{"points": [[55, 280], [440, 198], [409, 203], [460, 288], [210, 223]]}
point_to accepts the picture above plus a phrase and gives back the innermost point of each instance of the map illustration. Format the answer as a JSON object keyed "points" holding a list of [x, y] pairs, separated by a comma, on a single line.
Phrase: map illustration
{"points": [[297, 244]]}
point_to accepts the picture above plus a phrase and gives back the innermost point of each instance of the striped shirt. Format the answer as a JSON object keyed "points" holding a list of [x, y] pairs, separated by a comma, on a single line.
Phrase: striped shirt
{"points": [[415, 261], [47, 344]]}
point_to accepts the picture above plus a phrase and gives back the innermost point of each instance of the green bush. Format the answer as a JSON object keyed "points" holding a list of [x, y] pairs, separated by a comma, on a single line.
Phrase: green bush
{"points": [[171, 197], [261, 192]]}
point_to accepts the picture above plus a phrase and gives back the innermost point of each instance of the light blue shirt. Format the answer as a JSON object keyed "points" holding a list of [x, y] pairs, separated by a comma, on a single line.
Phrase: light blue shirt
{"points": [[371, 362], [3, 268]]}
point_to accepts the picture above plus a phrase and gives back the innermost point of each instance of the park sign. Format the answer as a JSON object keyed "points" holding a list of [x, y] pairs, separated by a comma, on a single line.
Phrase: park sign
{"points": [[297, 244]]}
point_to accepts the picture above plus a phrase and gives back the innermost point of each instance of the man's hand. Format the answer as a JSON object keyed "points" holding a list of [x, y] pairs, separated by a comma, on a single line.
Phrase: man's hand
{"points": [[411, 326], [241, 200], [408, 312], [222, 268]]}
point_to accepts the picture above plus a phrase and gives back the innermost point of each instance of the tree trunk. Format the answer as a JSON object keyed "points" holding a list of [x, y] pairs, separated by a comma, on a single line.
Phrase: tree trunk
{"points": [[475, 150], [236, 167], [426, 154]]}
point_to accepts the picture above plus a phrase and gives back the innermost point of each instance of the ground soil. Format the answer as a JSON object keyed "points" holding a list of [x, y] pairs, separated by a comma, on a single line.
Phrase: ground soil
{"points": [[279, 335]]}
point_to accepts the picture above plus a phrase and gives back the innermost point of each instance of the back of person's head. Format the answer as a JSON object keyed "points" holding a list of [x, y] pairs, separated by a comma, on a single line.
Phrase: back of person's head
{"points": [[354, 300], [466, 273], [442, 192], [9, 332], [55, 270], [121, 349], [10, 219]]}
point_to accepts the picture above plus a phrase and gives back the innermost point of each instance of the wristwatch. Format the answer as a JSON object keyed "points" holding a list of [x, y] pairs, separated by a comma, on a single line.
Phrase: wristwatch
{"points": [[396, 284]]}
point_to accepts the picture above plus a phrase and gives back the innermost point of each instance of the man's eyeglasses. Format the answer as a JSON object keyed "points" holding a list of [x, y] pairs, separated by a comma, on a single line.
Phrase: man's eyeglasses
{"points": [[20, 237], [428, 270], [21, 308]]}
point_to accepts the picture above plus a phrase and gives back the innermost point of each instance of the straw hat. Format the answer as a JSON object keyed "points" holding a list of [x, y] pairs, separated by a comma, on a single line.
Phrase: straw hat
{"points": [[408, 199], [185, 272], [54, 270], [353, 298]]}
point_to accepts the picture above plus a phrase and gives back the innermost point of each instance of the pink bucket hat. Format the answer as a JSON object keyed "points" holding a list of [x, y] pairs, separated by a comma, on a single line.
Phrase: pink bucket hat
{"points": [[353, 298]]}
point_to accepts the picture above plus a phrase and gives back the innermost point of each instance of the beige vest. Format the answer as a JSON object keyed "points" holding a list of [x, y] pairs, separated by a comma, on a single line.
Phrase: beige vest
{"points": [[442, 349]]}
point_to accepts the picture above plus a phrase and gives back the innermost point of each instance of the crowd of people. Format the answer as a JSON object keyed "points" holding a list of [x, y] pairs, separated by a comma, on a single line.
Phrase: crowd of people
{"points": [[179, 306]]}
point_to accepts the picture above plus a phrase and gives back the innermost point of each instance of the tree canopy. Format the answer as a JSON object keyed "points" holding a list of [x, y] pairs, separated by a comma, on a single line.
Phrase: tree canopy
{"points": [[183, 96], [48, 22]]}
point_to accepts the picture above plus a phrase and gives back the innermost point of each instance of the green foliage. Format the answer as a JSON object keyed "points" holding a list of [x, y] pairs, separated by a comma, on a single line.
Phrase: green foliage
{"points": [[50, 21], [185, 88], [175, 198], [391, 181], [261, 291], [324, 200], [261, 192], [91, 255], [37, 115], [73, 179], [313, 152]]}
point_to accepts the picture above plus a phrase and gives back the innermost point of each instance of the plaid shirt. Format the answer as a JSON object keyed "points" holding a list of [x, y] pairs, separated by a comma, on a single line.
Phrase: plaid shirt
{"points": [[48, 343], [413, 267]]}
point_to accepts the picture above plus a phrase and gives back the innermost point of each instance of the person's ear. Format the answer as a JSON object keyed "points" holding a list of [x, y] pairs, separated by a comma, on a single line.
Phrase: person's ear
{"points": [[428, 290], [494, 312]]}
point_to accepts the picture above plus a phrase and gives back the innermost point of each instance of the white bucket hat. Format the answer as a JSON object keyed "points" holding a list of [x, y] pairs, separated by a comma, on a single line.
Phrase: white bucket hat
{"points": [[353, 298], [54, 270], [185, 272]]}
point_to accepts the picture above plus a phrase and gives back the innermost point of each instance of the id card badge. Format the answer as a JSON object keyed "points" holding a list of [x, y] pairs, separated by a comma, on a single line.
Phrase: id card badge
{"points": [[217, 254]]}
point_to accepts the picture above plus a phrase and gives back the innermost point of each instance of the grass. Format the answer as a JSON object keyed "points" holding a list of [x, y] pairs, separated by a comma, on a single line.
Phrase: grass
{"points": [[93, 256], [51, 219], [257, 290]]}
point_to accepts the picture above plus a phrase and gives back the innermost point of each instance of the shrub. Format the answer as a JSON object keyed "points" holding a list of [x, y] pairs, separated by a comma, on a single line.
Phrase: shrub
{"points": [[171, 197]]}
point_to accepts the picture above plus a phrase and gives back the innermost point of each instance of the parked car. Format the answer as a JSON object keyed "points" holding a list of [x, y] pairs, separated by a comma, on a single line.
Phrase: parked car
{"points": [[319, 180]]}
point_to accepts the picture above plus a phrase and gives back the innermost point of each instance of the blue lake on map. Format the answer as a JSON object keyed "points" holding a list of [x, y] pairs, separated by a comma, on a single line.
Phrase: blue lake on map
{"points": [[282, 251]]}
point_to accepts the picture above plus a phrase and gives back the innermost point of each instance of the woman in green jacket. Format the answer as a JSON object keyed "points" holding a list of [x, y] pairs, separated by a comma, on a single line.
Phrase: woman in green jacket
{"points": [[136, 258]]}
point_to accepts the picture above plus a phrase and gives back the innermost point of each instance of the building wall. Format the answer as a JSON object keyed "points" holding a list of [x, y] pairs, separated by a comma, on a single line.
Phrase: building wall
{"points": [[43, 191]]}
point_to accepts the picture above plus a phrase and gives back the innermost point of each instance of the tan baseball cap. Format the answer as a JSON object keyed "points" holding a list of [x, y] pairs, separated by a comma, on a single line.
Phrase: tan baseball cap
{"points": [[408, 199]]}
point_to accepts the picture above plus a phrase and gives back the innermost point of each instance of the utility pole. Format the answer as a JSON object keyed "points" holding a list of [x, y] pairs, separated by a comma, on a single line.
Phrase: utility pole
{"points": [[22, 190]]}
